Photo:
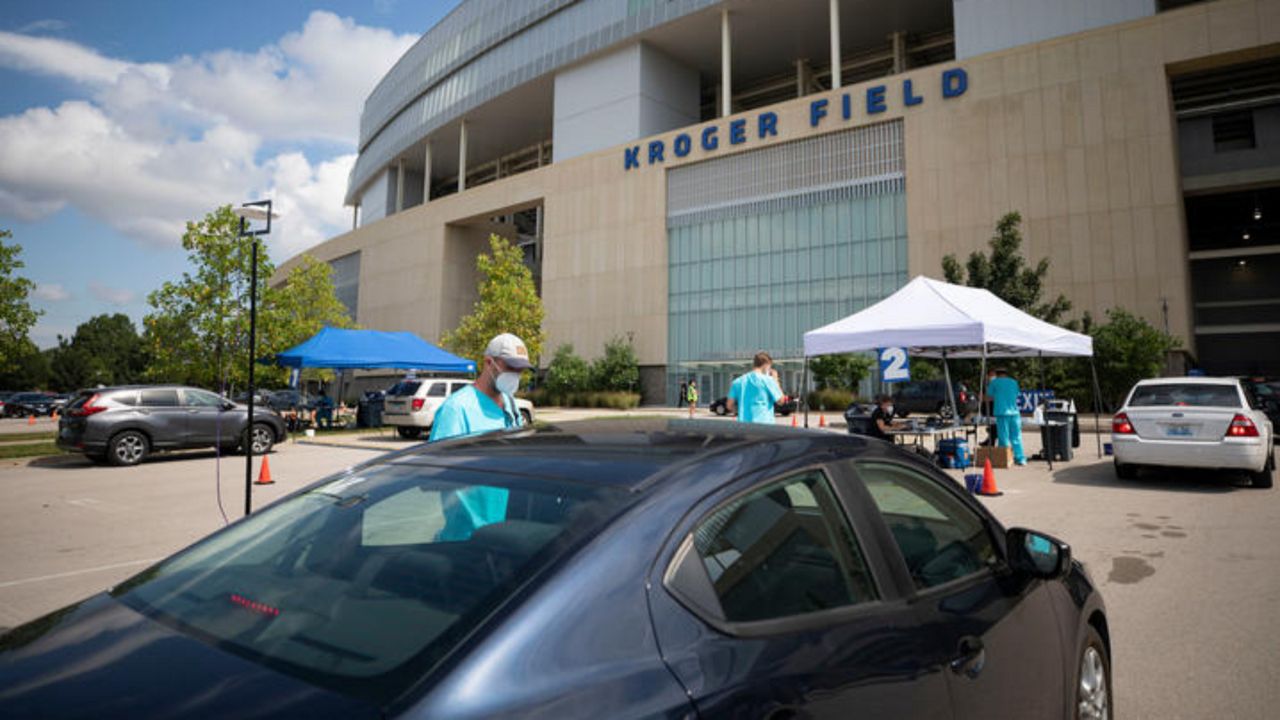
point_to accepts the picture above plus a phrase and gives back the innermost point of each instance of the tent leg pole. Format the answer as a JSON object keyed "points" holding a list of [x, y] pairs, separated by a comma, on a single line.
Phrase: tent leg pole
{"points": [[804, 390], [951, 391], [1040, 363], [1097, 406], [982, 394]]}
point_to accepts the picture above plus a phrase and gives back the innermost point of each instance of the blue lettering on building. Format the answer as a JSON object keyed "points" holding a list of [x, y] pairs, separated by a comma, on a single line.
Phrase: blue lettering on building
{"points": [[682, 145], [709, 139], [655, 152], [954, 83], [817, 111], [768, 124], [909, 97], [875, 100]]}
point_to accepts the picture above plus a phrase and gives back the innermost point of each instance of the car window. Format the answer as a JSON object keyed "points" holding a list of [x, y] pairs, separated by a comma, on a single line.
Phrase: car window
{"points": [[782, 550], [455, 387], [438, 389], [361, 585], [200, 398], [126, 397], [1185, 394], [159, 398], [940, 538], [405, 387]]}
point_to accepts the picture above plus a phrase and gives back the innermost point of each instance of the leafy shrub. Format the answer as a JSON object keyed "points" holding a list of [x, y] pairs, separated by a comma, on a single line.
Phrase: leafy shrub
{"points": [[612, 400], [567, 372], [830, 399], [617, 369]]}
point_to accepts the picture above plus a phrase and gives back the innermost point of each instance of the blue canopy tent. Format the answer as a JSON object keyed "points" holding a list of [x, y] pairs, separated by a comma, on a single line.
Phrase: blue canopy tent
{"points": [[371, 349]]}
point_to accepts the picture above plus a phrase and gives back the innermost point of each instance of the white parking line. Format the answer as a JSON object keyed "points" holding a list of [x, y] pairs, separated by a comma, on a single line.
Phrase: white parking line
{"points": [[73, 573]]}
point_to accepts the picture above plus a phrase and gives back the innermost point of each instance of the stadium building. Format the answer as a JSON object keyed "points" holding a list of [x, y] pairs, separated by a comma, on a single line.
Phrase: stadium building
{"points": [[714, 177]]}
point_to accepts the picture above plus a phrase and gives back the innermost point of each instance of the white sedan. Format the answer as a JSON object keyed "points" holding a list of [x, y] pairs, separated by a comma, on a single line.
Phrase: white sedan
{"points": [[1193, 422]]}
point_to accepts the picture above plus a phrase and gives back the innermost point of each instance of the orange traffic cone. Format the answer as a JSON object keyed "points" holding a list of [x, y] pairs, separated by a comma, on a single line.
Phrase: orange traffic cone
{"points": [[989, 481], [793, 421], [54, 416], [264, 475], [822, 421], [31, 419]]}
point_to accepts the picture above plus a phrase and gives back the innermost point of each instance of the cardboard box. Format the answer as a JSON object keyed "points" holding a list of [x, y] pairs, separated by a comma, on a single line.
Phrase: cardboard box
{"points": [[1001, 457]]}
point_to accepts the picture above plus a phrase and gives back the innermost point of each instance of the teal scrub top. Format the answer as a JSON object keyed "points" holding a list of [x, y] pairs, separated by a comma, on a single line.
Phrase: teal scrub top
{"points": [[755, 394], [471, 412], [1004, 395]]}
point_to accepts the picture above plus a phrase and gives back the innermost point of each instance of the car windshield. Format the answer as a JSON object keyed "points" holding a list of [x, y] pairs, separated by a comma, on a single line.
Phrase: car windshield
{"points": [[364, 583], [1185, 394]]}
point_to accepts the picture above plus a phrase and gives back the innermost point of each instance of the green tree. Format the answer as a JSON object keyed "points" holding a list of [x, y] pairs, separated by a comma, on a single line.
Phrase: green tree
{"points": [[198, 330], [105, 350], [16, 314], [567, 372], [617, 369], [300, 307], [508, 302], [29, 369], [841, 371], [1006, 273], [1128, 349]]}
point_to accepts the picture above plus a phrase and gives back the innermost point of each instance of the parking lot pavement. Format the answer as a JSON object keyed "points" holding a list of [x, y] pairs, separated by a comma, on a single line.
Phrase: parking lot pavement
{"points": [[69, 529], [1187, 565]]}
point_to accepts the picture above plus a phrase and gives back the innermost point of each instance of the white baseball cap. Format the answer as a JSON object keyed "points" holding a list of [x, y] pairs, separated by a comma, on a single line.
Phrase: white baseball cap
{"points": [[510, 350]]}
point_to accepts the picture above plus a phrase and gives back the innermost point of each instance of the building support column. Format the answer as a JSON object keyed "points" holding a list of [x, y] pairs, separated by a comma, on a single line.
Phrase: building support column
{"points": [[355, 216], [400, 185], [835, 44], [899, 40], [426, 174], [804, 77], [726, 70], [462, 156]]}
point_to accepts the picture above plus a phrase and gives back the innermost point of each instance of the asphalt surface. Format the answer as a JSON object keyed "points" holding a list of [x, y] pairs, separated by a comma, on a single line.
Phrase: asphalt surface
{"points": [[1186, 562]]}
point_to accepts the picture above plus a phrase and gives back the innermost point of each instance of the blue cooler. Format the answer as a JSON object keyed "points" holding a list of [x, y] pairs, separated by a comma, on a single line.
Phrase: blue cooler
{"points": [[954, 453]]}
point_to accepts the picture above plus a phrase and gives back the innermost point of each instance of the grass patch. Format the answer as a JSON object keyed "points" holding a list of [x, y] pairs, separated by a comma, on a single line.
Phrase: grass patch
{"points": [[7, 437], [26, 450]]}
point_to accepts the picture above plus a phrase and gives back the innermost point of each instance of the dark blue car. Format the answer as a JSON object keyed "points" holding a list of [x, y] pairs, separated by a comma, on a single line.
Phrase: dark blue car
{"points": [[618, 569]]}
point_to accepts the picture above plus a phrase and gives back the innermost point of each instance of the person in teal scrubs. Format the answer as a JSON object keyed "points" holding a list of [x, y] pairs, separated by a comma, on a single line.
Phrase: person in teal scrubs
{"points": [[486, 405], [1004, 391], [754, 394]]}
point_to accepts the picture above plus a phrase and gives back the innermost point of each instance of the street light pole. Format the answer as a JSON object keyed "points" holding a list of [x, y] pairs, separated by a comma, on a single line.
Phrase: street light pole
{"points": [[260, 210]]}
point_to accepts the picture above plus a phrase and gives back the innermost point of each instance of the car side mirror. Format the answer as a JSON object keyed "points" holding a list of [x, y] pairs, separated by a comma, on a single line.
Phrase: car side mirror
{"points": [[1037, 554], [227, 405]]}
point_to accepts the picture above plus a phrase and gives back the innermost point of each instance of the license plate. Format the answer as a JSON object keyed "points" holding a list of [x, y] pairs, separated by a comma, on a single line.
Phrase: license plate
{"points": [[1178, 431]]}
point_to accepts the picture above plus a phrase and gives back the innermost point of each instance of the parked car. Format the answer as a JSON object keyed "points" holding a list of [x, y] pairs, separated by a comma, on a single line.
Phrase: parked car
{"points": [[4, 398], [930, 397], [1265, 396], [411, 404], [287, 400], [261, 398], [1197, 422], [24, 404], [649, 569], [123, 425], [783, 407]]}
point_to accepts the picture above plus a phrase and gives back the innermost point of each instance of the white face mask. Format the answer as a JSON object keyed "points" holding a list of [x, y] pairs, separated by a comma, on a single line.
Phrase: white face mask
{"points": [[507, 382]]}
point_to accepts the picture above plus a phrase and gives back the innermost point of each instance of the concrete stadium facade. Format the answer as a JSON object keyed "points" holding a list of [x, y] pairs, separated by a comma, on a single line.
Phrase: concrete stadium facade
{"points": [[713, 178]]}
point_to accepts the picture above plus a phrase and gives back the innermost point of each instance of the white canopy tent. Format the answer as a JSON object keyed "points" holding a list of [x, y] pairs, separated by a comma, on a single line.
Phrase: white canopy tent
{"points": [[936, 319]]}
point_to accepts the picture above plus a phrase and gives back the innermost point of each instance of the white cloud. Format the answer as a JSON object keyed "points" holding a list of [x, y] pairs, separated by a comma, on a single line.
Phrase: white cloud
{"points": [[153, 145], [110, 295], [51, 25], [51, 292]]}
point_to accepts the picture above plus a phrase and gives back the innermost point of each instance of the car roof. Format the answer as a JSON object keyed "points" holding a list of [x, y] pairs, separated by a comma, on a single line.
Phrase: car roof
{"points": [[622, 452], [1190, 379]]}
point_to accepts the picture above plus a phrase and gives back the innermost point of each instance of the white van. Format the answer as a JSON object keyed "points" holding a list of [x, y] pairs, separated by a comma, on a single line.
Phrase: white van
{"points": [[411, 404]]}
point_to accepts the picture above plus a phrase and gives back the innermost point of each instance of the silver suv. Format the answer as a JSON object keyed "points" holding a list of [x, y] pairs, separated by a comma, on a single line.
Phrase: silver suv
{"points": [[123, 425], [412, 403]]}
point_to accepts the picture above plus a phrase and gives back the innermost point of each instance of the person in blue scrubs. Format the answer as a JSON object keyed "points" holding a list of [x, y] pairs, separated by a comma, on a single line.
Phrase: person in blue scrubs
{"points": [[753, 395], [1004, 391], [486, 405]]}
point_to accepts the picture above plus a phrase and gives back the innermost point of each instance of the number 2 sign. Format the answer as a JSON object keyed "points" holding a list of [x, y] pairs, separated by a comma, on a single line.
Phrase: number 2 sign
{"points": [[894, 365]]}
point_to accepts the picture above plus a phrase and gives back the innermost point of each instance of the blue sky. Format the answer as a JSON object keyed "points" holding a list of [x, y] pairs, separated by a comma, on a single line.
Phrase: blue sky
{"points": [[120, 120]]}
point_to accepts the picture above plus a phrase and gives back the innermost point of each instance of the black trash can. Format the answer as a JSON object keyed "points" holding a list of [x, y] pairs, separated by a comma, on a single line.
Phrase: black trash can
{"points": [[369, 410], [1055, 436], [857, 419], [1065, 411]]}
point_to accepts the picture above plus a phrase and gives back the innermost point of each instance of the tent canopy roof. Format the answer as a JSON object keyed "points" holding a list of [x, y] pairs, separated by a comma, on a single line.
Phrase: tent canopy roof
{"points": [[930, 316], [371, 349]]}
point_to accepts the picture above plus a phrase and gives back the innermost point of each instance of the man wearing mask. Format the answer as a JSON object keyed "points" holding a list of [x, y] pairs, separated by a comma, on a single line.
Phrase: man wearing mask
{"points": [[882, 418], [1004, 391], [485, 406], [753, 395], [488, 404]]}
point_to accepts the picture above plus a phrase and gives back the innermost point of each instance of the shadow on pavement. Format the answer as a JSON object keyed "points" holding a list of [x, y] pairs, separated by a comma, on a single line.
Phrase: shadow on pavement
{"points": [[1188, 480]]}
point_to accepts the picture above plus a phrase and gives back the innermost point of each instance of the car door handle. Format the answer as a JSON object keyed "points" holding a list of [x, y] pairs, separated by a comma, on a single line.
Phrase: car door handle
{"points": [[971, 657]]}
